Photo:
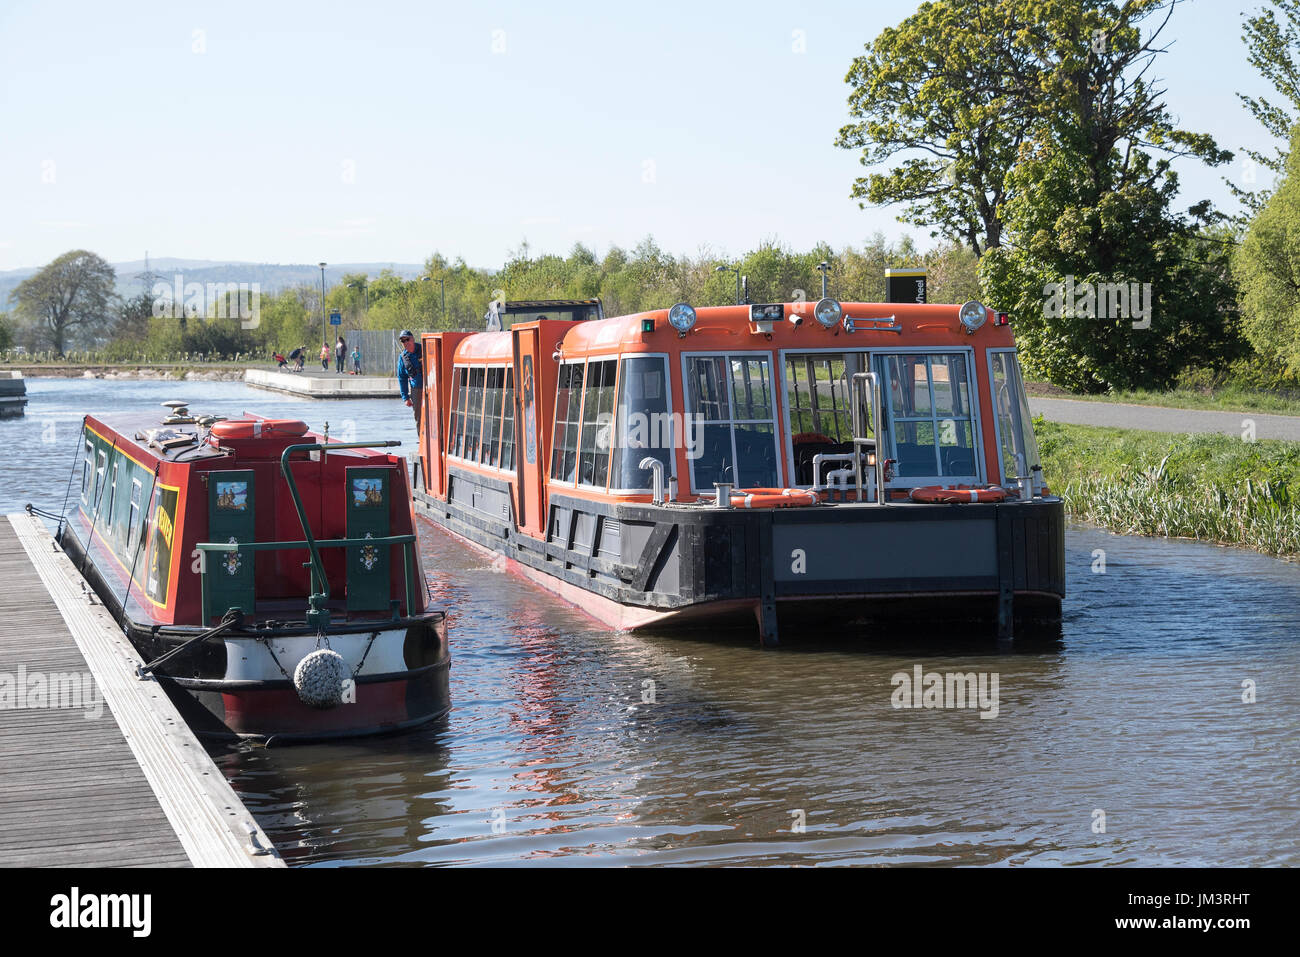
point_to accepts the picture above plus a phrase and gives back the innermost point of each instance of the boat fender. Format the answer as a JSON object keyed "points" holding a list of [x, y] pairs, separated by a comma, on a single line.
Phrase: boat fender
{"points": [[319, 678]]}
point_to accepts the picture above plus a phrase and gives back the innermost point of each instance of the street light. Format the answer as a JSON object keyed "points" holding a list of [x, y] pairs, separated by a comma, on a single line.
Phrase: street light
{"points": [[324, 335], [736, 270], [365, 291]]}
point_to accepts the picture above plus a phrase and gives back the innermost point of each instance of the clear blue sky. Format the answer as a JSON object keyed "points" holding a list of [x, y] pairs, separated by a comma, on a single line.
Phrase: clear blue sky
{"points": [[698, 123]]}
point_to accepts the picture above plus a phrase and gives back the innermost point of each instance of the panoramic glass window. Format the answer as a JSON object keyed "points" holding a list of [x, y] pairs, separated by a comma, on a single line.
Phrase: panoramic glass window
{"points": [[927, 397], [492, 416], [733, 394], [508, 422], [568, 408], [817, 388], [597, 421], [1017, 447], [643, 426], [456, 434]]}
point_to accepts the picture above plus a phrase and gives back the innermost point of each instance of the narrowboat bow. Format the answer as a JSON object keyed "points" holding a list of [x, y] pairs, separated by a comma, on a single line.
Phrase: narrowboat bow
{"points": [[685, 466], [268, 575]]}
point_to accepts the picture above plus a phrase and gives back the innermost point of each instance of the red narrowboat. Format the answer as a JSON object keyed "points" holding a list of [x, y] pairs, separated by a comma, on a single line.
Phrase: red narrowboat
{"points": [[783, 460], [268, 576]]}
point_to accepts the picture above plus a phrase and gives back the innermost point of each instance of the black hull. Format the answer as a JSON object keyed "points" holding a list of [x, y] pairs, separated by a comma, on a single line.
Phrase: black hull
{"points": [[670, 566]]}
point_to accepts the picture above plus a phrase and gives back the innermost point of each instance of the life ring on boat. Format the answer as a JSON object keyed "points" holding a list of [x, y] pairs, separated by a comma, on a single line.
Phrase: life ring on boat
{"points": [[772, 497], [257, 428], [958, 493]]}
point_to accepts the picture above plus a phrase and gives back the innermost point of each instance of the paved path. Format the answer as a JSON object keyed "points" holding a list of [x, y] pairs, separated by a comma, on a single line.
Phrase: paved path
{"points": [[1159, 419]]}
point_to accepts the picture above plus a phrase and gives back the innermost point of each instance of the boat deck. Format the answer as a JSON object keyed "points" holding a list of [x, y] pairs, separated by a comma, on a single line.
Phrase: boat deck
{"points": [[129, 785]]}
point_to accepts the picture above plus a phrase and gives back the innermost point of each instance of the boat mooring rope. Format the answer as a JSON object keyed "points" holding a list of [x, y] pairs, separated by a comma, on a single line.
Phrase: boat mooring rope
{"points": [[232, 619]]}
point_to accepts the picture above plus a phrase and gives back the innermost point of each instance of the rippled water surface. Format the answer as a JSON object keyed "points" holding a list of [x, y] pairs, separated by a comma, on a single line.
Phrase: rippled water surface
{"points": [[553, 753]]}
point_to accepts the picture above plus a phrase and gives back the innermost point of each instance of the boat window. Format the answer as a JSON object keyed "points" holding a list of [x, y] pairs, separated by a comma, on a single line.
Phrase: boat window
{"points": [[733, 395], [492, 417], [818, 393], [109, 523], [86, 471], [100, 469], [568, 407], [133, 517], [1017, 447], [508, 422], [456, 434], [643, 426], [931, 428], [597, 420], [473, 414]]}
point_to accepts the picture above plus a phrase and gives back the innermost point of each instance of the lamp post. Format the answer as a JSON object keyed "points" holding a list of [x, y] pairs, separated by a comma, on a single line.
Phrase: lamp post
{"points": [[736, 270], [823, 267], [365, 291], [324, 334]]}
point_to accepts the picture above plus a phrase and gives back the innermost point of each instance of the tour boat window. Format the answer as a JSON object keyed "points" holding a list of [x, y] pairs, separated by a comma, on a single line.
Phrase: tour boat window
{"points": [[643, 426], [1017, 447], [568, 408], [508, 422], [733, 394], [597, 417], [474, 414], [818, 393], [456, 434], [931, 426], [492, 417], [112, 500]]}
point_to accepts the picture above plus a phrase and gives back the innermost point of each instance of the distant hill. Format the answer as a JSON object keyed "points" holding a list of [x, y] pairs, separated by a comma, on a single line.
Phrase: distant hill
{"points": [[271, 277]]}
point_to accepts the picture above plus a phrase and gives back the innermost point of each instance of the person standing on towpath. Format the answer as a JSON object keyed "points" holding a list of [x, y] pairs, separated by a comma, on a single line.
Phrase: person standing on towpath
{"points": [[410, 372]]}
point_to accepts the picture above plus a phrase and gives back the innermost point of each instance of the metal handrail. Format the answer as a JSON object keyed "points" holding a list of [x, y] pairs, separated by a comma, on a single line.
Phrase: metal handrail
{"points": [[860, 440]]}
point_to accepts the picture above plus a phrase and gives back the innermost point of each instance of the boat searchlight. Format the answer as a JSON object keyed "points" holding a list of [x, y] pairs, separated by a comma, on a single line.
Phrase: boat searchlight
{"points": [[682, 318], [828, 312], [972, 315]]}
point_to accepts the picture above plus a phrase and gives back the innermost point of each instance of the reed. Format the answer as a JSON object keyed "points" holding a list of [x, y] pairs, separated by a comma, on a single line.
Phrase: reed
{"points": [[1209, 488]]}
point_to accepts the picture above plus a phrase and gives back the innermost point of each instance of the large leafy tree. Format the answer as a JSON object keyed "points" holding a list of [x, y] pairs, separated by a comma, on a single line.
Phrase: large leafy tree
{"points": [[73, 295], [1267, 267], [1272, 37], [942, 95], [1092, 202]]}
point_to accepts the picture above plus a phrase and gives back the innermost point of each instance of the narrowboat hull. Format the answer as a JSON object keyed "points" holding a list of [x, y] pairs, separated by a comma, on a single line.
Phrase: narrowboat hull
{"points": [[240, 684], [635, 566]]}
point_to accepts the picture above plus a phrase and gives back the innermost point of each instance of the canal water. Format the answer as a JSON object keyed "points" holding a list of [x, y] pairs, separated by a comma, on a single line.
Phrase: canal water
{"points": [[1127, 742]]}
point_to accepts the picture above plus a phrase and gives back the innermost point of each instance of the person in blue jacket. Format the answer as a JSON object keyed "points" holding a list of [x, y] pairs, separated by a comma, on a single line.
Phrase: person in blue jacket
{"points": [[410, 372]]}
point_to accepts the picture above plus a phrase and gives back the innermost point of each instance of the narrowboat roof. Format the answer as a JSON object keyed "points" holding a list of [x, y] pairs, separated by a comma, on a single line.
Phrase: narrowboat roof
{"points": [[182, 442]]}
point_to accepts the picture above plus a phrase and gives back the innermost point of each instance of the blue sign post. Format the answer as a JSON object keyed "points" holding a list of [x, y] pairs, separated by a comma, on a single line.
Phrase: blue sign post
{"points": [[336, 318]]}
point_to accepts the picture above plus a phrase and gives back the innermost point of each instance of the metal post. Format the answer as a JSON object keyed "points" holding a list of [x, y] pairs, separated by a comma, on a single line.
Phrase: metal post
{"points": [[324, 333]]}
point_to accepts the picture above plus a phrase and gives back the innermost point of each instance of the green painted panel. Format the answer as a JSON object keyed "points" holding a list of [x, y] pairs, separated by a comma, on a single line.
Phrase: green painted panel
{"points": [[368, 574], [229, 577]]}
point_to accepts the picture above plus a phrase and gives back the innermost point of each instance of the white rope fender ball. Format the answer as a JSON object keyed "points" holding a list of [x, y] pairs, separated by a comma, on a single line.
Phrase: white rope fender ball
{"points": [[319, 678]]}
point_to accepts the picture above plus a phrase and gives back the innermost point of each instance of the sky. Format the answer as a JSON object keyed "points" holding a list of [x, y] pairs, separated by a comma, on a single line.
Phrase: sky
{"points": [[290, 132]]}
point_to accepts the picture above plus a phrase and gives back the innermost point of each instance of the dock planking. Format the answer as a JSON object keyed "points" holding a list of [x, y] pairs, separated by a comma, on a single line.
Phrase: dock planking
{"points": [[124, 784]]}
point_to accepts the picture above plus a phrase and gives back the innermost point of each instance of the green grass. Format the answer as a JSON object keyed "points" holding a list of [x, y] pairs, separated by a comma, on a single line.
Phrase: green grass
{"points": [[1211, 488]]}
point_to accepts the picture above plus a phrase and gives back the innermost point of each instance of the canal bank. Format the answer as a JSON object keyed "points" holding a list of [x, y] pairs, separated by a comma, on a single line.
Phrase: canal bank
{"points": [[1219, 489]]}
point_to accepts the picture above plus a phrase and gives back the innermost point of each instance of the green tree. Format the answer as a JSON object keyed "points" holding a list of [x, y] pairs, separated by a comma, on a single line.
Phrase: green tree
{"points": [[1091, 204], [1272, 38], [941, 90], [72, 296], [6, 333], [1267, 268]]}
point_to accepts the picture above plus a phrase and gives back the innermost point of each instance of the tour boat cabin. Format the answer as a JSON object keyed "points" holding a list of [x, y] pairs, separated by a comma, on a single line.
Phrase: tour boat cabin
{"points": [[786, 460]]}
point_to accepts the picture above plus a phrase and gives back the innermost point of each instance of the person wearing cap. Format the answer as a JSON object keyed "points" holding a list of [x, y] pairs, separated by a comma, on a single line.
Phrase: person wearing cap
{"points": [[410, 372]]}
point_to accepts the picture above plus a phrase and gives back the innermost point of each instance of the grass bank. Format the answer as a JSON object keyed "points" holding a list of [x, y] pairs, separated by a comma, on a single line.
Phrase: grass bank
{"points": [[1229, 398], [1212, 488]]}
